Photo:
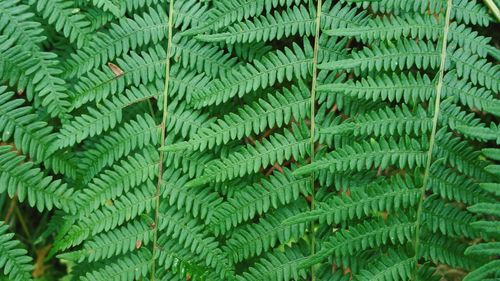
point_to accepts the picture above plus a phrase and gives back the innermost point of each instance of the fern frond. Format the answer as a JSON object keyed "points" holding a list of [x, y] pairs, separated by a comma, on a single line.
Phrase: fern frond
{"points": [[414, 26], [134, 69], [136, 134], [109, 216], [394, 266], [384, 122], [277, 109], [276, 266], [34, 72], [362, 236], [108, 115], [191, 235], [181, 262], [189, 13], [229, 11], [483, 271], [64, 163], [442, 249], [97, 19], [486, 249], [447, 219], [491, 248], [492, 133], [27, 181], [129, 267], [389, 28], [476, 69], [465, 11], [185, 82], [470, 12], [65, 19], [275, 67], [365, 155], [201, 203], [467, 94], [127, 34], [340, 15], [253, 239], [108, 5], [41, 67], [390, 57], [296, 20], [402, 87], [250, 159], [127, 238], [278, 189], [20, 123], [250, 139], [210, 59], [16, 24], [112, 183], [192, 163], [389, 196], [455, 186], [14, 261], [461, 155]]}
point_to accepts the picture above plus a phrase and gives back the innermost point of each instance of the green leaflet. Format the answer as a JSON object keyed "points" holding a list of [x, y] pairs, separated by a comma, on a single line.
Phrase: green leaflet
{"points": [[14, 261]]}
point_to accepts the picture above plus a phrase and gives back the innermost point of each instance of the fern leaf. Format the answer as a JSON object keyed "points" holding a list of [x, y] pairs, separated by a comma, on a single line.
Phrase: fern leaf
{"points": [[44, 86], [360, 237], [227, 12], [390, 57], [109, 216], [455, 186], [274, 68], [451, 252], [108, 5], [130, 267], [296, 20], [137, 133], [392, 267], [279, 148], [402, 87], [279, 189], [20, 123], [365, 155], [127, 34], [254, 239], [448, 219], [112, 183], [27, 181], [115, 242], [483, 271], [14, 261], [385, 196], [276, 266], [191, 235], [478, 70], [61, 14], [203, 58], [135, 69], [201, 203], [278, 109], [388, 121]]}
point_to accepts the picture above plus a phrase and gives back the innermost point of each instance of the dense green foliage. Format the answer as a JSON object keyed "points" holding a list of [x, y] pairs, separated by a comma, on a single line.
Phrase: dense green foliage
{"points": [[249, 140]]}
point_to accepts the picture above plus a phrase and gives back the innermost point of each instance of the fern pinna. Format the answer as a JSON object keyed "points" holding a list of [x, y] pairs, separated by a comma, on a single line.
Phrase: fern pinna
{"points": [[251, 139]]}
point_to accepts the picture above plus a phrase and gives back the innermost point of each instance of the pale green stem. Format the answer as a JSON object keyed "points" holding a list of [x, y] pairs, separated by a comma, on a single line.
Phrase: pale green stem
{"points": [[432, 139], [313, 125], [163, 136], [493, 8]]}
